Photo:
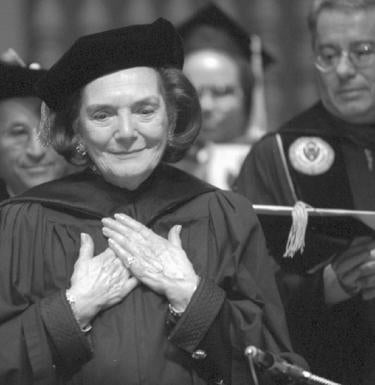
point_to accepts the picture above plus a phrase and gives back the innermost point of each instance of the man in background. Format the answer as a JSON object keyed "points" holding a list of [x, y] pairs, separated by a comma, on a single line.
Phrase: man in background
{"points": [[325, 158], [217, 62], [24, 161]]}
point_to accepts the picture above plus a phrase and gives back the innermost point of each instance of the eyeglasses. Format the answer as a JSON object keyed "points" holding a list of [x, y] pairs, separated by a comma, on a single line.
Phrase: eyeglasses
{"points": [[360, 55]]}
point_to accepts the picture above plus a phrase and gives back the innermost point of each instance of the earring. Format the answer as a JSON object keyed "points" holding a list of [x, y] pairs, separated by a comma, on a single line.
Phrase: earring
{"points": [[170, 135], [81, 150]]}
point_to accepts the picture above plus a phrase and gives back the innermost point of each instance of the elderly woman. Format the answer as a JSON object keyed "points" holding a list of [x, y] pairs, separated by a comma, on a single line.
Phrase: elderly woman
{"points": [[132, 272]]}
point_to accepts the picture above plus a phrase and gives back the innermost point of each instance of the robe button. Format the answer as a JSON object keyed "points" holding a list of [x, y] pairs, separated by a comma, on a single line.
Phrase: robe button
{"points": [[199, 354]]}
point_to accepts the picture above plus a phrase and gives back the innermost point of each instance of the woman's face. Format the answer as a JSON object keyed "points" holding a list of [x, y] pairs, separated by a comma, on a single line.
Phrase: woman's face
{"points": [[124, 125]]}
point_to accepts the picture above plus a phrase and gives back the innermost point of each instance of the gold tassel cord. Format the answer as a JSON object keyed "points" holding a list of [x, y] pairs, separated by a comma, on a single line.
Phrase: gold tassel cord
{"points": [[296, 238], [45, 125]]}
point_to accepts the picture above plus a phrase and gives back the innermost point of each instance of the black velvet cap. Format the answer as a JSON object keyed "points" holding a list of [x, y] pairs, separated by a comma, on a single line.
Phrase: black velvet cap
{"points": [[18, 81], [92, 56], [210, 27]]}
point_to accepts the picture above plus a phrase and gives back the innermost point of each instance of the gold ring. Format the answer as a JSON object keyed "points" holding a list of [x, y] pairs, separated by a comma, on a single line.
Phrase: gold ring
{"points": [[130, 261]]}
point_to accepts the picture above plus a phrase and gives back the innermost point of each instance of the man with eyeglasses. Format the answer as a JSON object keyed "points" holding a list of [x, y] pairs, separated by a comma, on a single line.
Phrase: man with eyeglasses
{"points": [[325, 157]]}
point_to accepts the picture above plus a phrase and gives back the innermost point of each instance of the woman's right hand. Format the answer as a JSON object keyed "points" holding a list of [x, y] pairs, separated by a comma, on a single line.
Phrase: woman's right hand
{"points": [[97, 282]]}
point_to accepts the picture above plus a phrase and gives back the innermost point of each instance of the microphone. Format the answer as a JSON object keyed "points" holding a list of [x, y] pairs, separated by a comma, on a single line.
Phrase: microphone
{"points": [[277, 365]]}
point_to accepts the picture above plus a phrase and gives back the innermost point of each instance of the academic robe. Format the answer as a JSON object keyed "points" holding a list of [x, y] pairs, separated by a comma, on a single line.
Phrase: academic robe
{"points": [[235, 305], [339, 341], [3, 191]]}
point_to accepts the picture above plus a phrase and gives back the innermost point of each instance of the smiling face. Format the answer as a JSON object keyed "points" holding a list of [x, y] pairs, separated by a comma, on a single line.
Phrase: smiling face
{"points": [[24, 162], [123, 123], [346, 91], [216, 78]]}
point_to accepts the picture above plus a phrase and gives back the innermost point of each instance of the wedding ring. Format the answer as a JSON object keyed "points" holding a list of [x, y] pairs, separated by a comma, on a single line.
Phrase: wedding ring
{"points": [[130, 261]]}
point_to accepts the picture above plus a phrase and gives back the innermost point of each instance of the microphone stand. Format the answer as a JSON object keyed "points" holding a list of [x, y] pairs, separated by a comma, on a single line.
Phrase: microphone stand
{"points": [[277, 366]]}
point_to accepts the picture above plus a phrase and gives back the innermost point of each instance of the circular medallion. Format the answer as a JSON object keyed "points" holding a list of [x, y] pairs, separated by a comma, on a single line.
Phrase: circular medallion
{"points": [[311, 155]]}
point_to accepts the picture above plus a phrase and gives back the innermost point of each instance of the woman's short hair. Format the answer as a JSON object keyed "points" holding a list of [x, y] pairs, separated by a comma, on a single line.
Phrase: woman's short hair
{"points": [[343, 5], [183, 109], [184, 112]]}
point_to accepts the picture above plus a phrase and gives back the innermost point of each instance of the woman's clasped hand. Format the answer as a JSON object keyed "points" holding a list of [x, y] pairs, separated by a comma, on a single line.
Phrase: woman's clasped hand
{"points": [[159, 263], [98, 282]]}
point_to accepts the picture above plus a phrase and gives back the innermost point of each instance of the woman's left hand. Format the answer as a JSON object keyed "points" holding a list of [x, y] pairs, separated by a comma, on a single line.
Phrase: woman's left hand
{"points": [[159, 263]]}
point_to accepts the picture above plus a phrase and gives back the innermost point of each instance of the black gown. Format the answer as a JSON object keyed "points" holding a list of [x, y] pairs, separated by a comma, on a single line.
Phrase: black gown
{"points": [[3, 191], [236, 303]]}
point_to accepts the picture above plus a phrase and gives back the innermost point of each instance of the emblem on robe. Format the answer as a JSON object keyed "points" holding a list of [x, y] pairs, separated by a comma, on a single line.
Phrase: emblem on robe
{"points": [[311, 155]]}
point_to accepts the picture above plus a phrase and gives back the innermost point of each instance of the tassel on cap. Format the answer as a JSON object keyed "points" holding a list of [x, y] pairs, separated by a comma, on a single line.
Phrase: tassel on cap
{"points": [[45, 125], [296, 237]]}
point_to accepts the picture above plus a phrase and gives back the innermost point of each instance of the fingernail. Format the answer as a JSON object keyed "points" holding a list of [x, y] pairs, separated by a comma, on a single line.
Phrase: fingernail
{"points": [[178, 228], [83, 237], [119, 216], [105, 230]]}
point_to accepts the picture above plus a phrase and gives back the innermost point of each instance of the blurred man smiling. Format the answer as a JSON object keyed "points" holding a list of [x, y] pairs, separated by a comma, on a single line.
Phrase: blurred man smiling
{"points": [[24, 161]]}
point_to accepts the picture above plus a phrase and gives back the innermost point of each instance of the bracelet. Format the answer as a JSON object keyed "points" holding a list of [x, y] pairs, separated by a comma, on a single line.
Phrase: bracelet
{"points": [[175, 313], [71, 301], [173, 316]]}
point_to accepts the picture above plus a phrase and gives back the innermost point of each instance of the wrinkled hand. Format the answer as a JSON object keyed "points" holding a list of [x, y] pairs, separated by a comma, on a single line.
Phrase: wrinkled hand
{"points": [[159, 263], [355, 267], [98, 282]]}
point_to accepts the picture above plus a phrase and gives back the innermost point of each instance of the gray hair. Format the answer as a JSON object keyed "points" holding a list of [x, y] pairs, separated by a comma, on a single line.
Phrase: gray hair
{"points": [[343, 5]]}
